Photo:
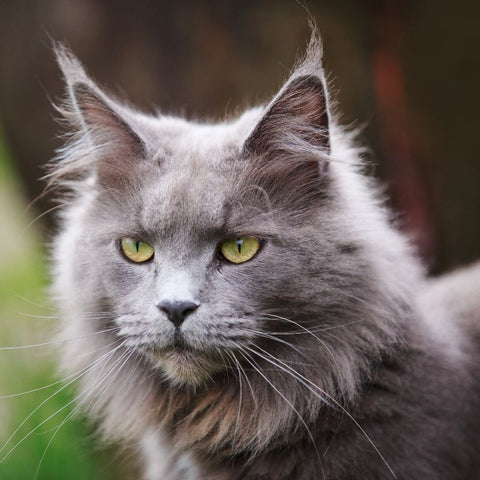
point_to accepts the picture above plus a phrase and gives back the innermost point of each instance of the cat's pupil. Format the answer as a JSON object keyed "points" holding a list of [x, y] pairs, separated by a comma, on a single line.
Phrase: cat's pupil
{"points": [[239, 245], [137, 246]]}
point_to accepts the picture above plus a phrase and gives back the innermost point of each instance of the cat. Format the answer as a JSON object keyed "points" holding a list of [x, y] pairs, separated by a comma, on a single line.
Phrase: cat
{"points": [[244, 307]]}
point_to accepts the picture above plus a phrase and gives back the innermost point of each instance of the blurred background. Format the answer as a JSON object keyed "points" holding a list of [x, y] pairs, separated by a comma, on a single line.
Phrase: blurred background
{"points": [[407, 72]]}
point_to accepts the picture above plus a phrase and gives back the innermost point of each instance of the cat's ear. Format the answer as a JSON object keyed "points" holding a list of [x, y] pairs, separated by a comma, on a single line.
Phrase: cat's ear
{"points": [[296, 118], [113, 144], [289, 148]]}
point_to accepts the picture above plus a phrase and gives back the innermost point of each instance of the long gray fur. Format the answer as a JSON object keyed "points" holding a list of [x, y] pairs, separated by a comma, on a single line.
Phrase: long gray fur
{"points": [[329, 355]]}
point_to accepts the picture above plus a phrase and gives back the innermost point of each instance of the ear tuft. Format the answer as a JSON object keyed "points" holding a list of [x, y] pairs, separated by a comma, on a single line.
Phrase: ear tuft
{"points": [[312, 61], [71, 67]]}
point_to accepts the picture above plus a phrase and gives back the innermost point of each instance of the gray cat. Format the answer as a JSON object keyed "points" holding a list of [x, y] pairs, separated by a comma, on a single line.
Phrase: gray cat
{"points": [[244, 307]]}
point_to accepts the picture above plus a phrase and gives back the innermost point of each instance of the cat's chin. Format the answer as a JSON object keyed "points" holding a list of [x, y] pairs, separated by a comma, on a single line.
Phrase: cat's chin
{"points": [[186, 367]]}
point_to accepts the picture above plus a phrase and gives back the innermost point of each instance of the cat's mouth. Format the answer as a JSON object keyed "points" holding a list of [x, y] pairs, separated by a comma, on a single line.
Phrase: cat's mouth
{"points": [[183, 364], [179, 344]]}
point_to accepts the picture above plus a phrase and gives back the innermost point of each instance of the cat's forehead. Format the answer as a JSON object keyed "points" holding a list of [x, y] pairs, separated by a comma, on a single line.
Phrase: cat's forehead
{"points": [[192, 176], [190, 140]]}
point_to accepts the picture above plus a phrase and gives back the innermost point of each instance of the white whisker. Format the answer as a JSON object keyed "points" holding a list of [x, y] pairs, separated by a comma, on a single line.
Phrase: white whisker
{"points": [[38, 217], [240, 385], [255, 366], [60, 340], [306, 330], [247, 380], [38, 389], [31, 302], [78, 406], [270, 336], [303, 379], [85, 370]]}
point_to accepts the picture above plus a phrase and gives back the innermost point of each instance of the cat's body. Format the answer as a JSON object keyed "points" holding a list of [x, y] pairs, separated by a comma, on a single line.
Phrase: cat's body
{"points": [[327, 354]]}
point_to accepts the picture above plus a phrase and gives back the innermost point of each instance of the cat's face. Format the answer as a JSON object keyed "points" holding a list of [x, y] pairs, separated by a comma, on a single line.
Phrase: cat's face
{"points": [[155, 203], [182, 206], [182, 192]]}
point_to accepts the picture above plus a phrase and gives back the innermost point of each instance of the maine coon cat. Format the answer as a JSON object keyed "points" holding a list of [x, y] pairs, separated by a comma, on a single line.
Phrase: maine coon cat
{"points": [[244, 306]]}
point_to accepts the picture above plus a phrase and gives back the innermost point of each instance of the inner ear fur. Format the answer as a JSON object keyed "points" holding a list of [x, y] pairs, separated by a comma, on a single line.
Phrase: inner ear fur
{"points": [[287, 150], [117, 146], [299, 112]]}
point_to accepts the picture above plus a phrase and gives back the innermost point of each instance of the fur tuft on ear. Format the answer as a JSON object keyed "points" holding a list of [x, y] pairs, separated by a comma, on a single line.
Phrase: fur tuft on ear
{"points": [[103, 142], [72, 70]]}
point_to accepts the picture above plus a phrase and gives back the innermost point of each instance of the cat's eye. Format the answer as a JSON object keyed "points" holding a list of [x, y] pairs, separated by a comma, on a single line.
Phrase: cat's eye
{"points": [[135, 250], [239, 250]]}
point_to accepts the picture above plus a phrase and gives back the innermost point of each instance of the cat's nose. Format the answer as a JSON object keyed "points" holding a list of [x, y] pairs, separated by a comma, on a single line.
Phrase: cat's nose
{"points": [[177, 311]]}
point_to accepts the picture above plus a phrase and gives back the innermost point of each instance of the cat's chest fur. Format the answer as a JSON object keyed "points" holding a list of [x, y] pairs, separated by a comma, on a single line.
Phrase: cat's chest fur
{"points": [[244, 306]]}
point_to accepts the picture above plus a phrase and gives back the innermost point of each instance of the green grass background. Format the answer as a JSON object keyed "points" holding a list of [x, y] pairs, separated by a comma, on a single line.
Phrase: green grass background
{"points": [[72, 453]]}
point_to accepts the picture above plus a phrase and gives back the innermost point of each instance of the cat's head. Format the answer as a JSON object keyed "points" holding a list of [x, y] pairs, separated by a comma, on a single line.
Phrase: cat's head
{"points": [[205, 246]]}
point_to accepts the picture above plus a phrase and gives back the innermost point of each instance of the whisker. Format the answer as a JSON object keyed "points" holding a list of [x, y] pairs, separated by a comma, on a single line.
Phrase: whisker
{"points": [[38, 389], [85, 370], [240, 401], [39, 317], [299, 376], [98, 381], [38, 217], [40, 424], [255, 366], [317, 329], [272, 360], [240, 384], [85, 316], [80, 403], [60, 340], [272, 337], [333, 436], [31, 302], [327, 348], [110, 379], [247, 380], [77, 408], [284, 342]]}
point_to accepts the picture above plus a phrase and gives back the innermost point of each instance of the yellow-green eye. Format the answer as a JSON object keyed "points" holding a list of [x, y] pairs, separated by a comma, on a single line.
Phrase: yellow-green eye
{"points": [[135, 250], [239, 250]]}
